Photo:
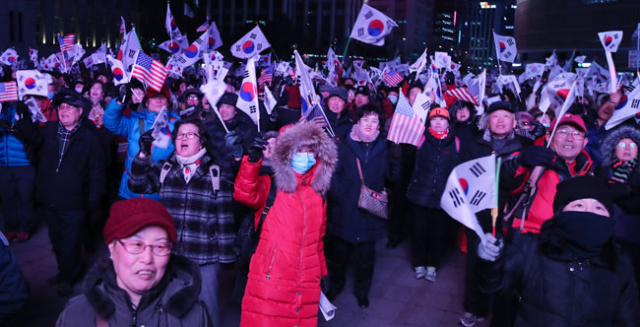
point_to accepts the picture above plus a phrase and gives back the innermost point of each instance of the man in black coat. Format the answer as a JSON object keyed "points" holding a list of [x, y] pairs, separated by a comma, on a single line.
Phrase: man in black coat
{"points": [[497, 127], [70, 180]]}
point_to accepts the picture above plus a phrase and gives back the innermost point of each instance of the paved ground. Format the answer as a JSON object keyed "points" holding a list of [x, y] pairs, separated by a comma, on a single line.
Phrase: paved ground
{"points": [[397, 298]]}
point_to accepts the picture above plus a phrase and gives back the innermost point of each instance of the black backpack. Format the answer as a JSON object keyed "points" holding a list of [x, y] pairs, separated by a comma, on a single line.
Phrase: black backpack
{"points": [[246, 241]]}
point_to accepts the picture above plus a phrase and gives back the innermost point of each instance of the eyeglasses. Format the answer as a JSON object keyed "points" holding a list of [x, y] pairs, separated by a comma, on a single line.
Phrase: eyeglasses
{"points": [[137, 247], [193, 97], [563, 133], [624, 145], [189, 136]]}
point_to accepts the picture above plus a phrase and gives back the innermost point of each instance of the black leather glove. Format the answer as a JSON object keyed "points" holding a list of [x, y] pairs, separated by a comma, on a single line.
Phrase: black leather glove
{"points": [[537, 156], [124, 94], [22, 110], [145, 142], [538, 130], [255, 148], [7, 126]]}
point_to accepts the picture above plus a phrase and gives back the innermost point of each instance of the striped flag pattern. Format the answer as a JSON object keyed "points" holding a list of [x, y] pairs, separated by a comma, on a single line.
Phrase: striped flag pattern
{"points": [[266, 76], [149, 71], [66, 43], [316, 116], [8, 91], [406, 127], [462, 93], [392, 77]]}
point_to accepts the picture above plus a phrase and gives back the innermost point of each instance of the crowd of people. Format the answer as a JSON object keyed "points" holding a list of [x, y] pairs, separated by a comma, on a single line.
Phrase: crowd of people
{"points": [[564, 250]]}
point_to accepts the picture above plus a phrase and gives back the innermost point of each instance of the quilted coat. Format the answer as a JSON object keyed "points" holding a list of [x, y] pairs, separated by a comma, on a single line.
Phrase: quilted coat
{"points": [[283, 287]]}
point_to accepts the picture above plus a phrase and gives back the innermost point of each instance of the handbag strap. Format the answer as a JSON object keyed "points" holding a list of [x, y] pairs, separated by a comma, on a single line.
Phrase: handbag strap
{"points": [[360, 170]]}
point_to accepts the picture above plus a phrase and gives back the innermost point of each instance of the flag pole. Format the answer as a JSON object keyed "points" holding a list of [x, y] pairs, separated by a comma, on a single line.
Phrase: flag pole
{"points": [[638, 54], [497, 54], [494, 211], [344, 54]]}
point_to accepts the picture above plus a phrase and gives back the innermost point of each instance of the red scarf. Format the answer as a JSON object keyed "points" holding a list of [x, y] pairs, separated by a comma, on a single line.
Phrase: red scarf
{"points": [[439, 135]]}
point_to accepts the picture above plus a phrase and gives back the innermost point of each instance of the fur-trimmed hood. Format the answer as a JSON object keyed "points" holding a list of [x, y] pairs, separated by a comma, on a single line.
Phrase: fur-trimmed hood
{"points": [[179, 287], [610, 141], [290, 141]]}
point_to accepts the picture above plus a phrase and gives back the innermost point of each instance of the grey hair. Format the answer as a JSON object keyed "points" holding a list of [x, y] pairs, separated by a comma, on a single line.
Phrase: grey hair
{"points": [[483, 125]]}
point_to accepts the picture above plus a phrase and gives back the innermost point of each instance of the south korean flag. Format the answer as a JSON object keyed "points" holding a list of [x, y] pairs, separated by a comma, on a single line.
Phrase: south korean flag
{"points": [[470, 188]]}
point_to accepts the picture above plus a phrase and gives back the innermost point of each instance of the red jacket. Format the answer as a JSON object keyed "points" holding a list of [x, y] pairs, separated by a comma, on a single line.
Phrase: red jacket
{"points": [[283, 287], [541, 208]]}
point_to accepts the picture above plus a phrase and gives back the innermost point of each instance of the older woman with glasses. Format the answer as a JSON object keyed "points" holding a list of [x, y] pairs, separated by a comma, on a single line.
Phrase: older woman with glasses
{"points": [[195, 188], [142, 283]]}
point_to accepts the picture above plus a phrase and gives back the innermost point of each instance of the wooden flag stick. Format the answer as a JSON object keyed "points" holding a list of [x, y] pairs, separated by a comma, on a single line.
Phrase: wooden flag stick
{"points": [[494, 211]]}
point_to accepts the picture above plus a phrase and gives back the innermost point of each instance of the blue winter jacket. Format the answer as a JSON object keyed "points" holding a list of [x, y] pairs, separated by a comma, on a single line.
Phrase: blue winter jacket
{"points": [[129, 128], [12, 150]]}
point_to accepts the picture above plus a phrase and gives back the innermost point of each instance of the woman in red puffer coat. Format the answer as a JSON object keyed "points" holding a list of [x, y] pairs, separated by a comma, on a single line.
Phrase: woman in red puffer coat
{"points": [[283, 287]]}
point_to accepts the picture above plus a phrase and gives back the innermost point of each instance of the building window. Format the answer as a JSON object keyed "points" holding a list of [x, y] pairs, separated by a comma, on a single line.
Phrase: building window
{"points": [[11, 29]]}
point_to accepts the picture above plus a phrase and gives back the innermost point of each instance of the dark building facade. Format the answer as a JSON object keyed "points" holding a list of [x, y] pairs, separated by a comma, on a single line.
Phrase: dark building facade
{"points": [[36, 23], [545, 25]]}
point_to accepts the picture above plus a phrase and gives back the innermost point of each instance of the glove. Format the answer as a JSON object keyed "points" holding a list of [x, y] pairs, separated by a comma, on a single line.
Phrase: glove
{"points": [[537, 156], [538, 130], [145, 142], [255, 148], [231, 138], [491, 250], [7, 126], [22, 109], [234, 144], [124, 94]]}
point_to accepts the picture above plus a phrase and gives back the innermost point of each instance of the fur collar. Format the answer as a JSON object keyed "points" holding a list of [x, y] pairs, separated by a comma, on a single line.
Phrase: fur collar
{"points": [[610, 141], [179, 288], [292, 139]]}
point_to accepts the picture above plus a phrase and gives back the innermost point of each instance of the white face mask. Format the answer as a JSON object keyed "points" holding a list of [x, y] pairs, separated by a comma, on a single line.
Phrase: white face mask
{"points": [[79, 89]]}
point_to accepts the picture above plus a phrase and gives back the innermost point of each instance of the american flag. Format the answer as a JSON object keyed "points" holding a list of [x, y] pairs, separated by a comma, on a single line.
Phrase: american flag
{"points": [[392, 77], [8, 91], [316, 115], [266, 76], [149, 71], [406, 127], [66, 42], [123, 27], [203, 27], [462, 94]]}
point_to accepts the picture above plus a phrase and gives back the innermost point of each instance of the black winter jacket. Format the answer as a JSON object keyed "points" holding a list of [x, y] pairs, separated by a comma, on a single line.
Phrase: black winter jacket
{"points": [[75, 182], [434, 162], [173, 302], [558, 290], [346, 220]]}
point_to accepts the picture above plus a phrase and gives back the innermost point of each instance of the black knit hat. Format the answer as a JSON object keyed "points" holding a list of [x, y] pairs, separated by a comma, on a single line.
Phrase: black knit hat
{"points": [[582, 187], [501, 105]]}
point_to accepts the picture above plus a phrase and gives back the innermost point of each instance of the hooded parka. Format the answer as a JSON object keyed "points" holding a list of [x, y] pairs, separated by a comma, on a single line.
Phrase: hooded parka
{"points": [[283, 287]]}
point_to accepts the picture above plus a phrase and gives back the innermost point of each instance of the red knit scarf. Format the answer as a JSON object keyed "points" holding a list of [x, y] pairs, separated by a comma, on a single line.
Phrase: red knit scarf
{"points": [[439, 135]]}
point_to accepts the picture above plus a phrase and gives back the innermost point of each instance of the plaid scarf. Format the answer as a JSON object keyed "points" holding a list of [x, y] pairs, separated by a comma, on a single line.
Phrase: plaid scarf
{"points": [[64, 138], [622, 170]]}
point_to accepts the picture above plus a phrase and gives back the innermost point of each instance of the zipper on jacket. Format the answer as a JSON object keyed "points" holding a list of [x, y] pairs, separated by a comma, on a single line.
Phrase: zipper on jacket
{"points": [[273, 258], [304, 227]]}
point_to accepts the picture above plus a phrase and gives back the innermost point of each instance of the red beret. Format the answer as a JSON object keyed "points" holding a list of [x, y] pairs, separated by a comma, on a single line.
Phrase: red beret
{"points": [[129, 216]]}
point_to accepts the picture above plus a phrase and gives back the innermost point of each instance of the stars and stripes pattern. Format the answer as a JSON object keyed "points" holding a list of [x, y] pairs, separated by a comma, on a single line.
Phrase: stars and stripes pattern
{"points": [[316, 116], [8, 91], [149, 71], [266, 76], [66, 42], [462, 93], [406, 126], [392, 77]]}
